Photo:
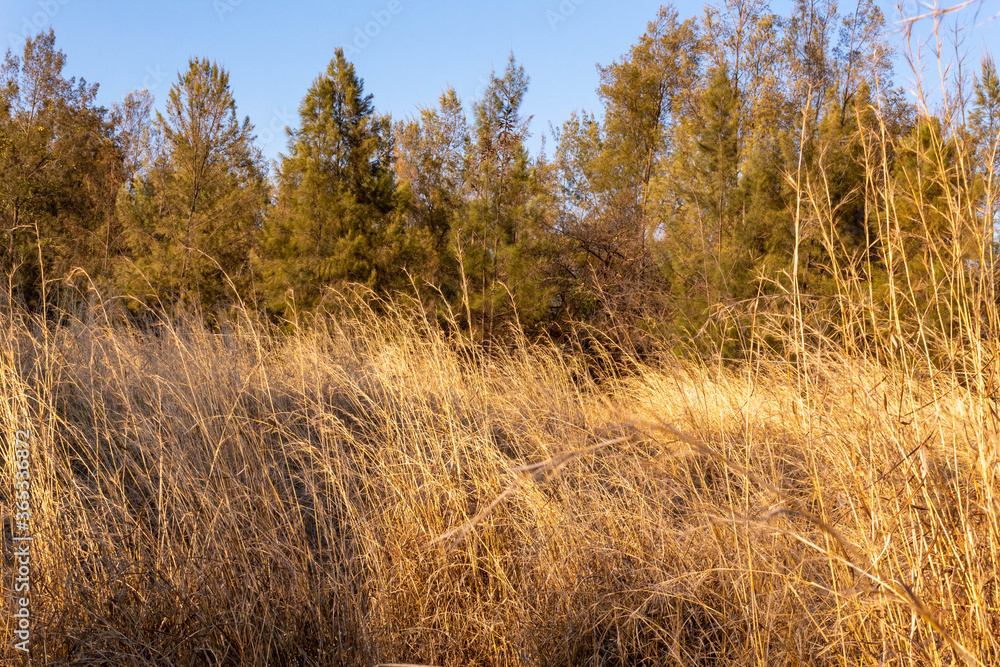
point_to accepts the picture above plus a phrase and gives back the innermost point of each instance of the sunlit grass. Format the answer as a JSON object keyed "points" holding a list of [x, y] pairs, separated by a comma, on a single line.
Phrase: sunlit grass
{"points": [[250, 497], [368, 489]]}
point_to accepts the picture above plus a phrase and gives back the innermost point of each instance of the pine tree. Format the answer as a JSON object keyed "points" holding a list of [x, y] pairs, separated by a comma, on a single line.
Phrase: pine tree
{"points": [[985, 130], [926, 174], [863, 55], [744, 35], [644, 95], [60, 167], [589, 256], [495, 234], [985, 118], [697, 202], [809, 42], [194, 212], [430, 165], [717, 159], [335, 221]]}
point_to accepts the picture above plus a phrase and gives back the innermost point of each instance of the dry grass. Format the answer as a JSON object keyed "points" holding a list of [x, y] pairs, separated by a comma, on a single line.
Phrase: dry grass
{"points": [[245, 497], [369, 491]]}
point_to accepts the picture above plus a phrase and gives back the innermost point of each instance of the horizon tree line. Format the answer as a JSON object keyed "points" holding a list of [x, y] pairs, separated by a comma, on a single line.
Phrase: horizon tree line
{"points": [[731, 161]]}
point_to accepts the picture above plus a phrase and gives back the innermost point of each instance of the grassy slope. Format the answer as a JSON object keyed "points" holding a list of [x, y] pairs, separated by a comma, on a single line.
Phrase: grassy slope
{"points": [[265, 499]]}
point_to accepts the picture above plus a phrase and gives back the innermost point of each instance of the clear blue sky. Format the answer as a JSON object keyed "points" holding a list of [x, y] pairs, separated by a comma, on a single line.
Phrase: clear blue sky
{"points": [[414, 49]]}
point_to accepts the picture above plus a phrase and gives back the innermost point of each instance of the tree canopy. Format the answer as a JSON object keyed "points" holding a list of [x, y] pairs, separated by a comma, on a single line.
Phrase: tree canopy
{"points": [[736, 156]]}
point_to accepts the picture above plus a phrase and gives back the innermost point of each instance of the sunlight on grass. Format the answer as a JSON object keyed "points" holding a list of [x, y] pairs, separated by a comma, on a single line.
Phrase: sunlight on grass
{"points": [[240, 495]]}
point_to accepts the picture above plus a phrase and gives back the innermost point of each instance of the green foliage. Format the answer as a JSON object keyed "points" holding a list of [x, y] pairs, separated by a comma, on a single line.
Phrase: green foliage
{"points": [[705, 191], [927, 175], [335, 219], [606, 176], [431, 171], [984, 121], [61, 161], [741, 158], [194, 211], [499, 241], [985, 128]]}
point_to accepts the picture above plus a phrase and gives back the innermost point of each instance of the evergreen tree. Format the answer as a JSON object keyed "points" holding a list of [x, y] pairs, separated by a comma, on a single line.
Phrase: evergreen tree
{"points": [[926, 174], [744, 36], [606, 172], [985, 127], [863, 55], [809, 62], [497, 242], [838, 237], [985, 119], [195, 210], [335, 221], [985, 130], [431, 168], [60, 167], [697, 199], [590, 254], [644, 95]]}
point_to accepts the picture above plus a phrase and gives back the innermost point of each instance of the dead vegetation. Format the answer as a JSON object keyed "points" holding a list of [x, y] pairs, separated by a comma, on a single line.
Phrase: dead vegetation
{"points": [[366, 491]]}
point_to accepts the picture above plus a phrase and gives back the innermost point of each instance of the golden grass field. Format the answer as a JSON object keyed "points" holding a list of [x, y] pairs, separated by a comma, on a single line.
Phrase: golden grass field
{"points": [[369, 491]]}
